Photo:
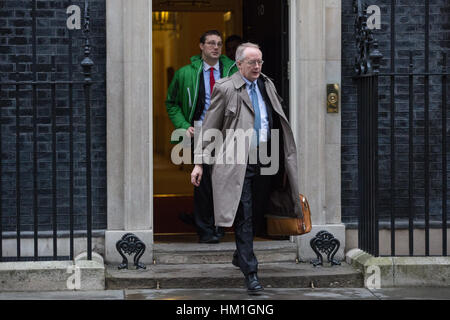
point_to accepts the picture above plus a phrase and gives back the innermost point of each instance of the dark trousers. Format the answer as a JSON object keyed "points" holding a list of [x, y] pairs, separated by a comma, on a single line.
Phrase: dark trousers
{"points": [[249, 220], [203, 205]]}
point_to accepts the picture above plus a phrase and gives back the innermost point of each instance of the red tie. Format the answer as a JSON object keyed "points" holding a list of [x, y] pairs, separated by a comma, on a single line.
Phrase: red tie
{"points": [[212, 81]]}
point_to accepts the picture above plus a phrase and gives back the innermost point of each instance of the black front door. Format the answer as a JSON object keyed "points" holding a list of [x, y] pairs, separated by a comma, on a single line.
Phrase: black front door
{"points": [[266, 22]]}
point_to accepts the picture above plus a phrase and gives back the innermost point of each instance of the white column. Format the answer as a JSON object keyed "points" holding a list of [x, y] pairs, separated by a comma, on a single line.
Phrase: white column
{"points": [[333, 120], [316, 26], [129, 125], [115, 115]]}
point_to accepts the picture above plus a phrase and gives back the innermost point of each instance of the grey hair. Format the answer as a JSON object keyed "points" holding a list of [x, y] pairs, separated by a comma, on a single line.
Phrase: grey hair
{"points": [[240, 50]]}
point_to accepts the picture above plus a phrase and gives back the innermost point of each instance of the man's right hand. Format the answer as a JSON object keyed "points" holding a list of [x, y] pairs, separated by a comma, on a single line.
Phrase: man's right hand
{"points": [[196, 175], [190, 132]]}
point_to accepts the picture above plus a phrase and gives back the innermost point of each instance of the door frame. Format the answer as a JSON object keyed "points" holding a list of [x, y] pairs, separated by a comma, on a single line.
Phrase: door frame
{"points": [[291, 66]]}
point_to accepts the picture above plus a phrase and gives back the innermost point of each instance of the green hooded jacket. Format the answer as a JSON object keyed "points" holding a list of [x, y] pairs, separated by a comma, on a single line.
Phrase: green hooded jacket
{"points": [[183, 91]]}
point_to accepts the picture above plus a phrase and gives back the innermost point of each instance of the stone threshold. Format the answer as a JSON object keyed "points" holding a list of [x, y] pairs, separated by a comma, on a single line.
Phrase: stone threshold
{"points": [[222, 246], [195, 253]]}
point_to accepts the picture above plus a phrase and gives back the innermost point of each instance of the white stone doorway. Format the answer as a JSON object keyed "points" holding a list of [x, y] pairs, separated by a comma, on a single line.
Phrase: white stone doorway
{"points": [[175, 37], [314, 61]]}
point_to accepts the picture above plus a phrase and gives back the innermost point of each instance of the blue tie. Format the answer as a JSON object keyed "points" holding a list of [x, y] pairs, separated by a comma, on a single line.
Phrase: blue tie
{"points": [[255, 104]]}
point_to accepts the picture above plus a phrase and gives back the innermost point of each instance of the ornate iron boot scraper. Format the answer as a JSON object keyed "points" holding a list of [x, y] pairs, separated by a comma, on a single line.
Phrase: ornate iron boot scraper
{"points": [[325, 242], [130, 244]]}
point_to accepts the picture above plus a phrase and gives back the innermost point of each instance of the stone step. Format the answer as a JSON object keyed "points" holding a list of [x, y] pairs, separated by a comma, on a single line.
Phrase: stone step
{"points": [[209, 275], [194, 253]]}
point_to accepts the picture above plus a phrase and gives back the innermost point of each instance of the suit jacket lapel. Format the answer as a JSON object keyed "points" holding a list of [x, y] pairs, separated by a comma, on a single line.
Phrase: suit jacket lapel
{"points": [[239, 84], [271, 93]]}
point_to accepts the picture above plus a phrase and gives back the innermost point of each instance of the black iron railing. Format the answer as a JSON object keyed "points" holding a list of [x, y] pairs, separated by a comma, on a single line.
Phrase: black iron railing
{"points": [[367, 63], [54, 86], [423, 78]]}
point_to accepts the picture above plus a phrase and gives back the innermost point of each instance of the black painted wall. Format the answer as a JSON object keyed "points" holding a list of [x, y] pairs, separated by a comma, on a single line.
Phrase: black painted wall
{"points": [[410, 35], [53, 38]]}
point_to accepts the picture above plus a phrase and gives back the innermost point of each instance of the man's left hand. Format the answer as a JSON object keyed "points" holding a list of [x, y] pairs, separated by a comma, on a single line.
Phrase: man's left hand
{"points": [[196, 175]]}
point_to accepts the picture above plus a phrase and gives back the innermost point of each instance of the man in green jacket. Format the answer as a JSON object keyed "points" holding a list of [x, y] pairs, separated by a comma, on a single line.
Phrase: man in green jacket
{"points": [[188, 98]]}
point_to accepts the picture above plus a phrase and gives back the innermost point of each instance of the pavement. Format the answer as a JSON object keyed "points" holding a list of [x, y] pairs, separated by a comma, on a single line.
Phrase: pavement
{"points": [[418, 293]]}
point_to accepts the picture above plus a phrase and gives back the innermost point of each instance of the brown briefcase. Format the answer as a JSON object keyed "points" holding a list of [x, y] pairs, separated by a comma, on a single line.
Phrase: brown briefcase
{"points": [[285, 226]]}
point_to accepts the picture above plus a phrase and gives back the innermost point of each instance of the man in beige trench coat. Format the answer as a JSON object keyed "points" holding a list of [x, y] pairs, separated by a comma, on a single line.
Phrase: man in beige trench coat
{"points": [[243, 192]]}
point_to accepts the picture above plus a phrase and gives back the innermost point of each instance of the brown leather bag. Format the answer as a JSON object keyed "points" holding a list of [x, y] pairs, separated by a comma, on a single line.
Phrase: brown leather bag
{"points": [[284, 226]]}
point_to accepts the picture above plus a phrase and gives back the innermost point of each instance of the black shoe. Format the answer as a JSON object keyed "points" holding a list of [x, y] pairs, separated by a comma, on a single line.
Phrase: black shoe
{"points": [[211, 239], [252, 283], [220, 232]]}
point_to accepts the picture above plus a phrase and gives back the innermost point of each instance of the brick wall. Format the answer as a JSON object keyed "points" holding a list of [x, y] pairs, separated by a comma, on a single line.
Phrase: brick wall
{"points": [[410, 35], [52, 38]]}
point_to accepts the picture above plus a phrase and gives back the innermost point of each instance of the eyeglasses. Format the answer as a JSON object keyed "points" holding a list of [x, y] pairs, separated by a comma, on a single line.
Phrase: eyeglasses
{"points": [[254, 62], [213, 44]]}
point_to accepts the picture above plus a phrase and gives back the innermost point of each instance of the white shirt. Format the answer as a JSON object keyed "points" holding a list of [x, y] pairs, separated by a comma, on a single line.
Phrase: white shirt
{"points": [[206, 73]]}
